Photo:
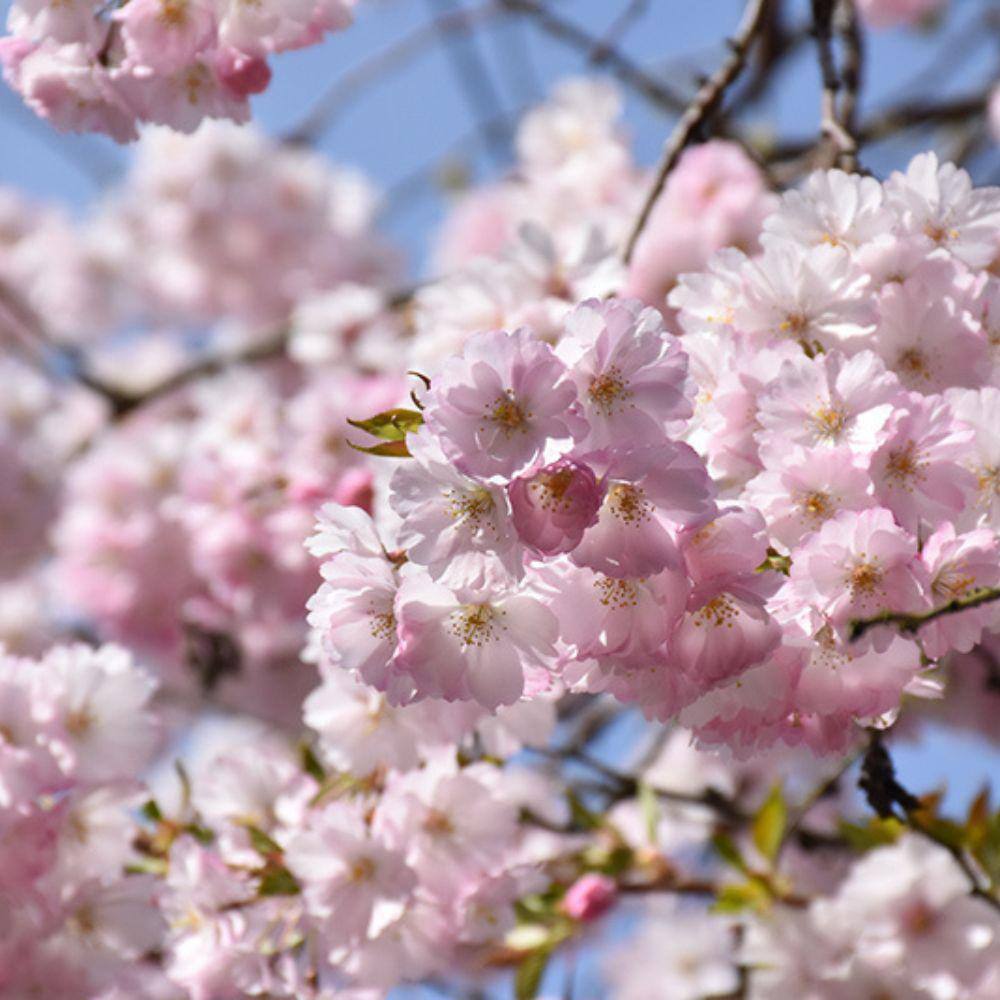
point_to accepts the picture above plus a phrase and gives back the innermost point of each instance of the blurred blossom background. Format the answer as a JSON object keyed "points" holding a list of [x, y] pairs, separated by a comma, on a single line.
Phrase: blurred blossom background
{"points": [[423, 97]]}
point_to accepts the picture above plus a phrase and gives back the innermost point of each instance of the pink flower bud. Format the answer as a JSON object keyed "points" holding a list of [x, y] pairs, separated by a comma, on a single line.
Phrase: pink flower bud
{"points": [[589, 897], [554, 506], [240, 74]]}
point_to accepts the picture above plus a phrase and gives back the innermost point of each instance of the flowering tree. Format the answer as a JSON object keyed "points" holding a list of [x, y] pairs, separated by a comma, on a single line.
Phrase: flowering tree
{"points": [[585, 587]]}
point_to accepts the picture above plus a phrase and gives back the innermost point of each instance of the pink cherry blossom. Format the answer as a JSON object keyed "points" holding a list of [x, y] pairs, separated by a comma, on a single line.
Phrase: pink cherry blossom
{"points": [[553, 506], [958, 565], [494, 409], [857, 565], [630, 375], [468, 644], [650, 494], [919, 471]]}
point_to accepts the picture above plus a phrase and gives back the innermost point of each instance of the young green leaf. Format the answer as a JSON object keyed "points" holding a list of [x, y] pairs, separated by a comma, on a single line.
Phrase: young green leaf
{"points": [[529, 974], [392, 425], [769, 824]]}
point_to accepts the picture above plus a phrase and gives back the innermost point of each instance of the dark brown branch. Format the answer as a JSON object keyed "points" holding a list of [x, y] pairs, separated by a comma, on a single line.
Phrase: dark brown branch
{"points": [[842, 143], [884, 792], [124, 402], [851, 71], [699, 111]]}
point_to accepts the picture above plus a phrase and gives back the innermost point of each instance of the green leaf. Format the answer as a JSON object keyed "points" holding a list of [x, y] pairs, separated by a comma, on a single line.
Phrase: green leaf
{"points": [[529, 974], [278, 881], [769, 824], [876, 833], [310, 762], [392, 425], [750, 895], [200, 833], [389, 449], [774, 560], [151, 811], [148, 866], [650, 806], [728, 851], [261, 842], [582, 816]]}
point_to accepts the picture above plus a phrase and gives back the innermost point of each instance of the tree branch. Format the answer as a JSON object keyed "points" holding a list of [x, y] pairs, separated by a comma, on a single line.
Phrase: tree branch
{"points": [[624, 69], [394, 56], [911, 622], [832, 125], [476, 80], [698, 112], [883, 792]]}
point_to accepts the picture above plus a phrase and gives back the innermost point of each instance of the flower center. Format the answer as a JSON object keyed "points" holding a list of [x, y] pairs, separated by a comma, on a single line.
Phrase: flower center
{"points": [[940, 234], [989, 482], [470, 507], [476, 624], [79, 722], [628, 503], [816, 505], [551, 488], [507, 413], [718, 612], [952, 582], [607, 390], [829, 422], [382, 625], [919, 918], [914, 363], [865, 578], [363, 870], [904, 464], [617, 594], [173, 13], [795, 323], [438, 823]]}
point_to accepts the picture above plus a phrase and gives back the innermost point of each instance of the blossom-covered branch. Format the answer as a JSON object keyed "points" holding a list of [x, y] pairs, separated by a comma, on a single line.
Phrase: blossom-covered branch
{"points": [[913, 622]]}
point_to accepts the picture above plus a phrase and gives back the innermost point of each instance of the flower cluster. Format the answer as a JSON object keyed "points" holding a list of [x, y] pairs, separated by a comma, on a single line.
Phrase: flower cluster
{"points": [[727, 485], [301, 885], [547, 238], [185, 538], [75, 733], [225, 227], [553, 523], [88, 67]]}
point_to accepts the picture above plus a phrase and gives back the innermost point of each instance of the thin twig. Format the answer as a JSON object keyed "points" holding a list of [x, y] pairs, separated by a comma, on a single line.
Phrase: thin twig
{"points": [[884, 792], [911, 622], [476, 80], [698, 111], [123, 402], [393, 57], [615, 31], [624, 69], [842, 143]]}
